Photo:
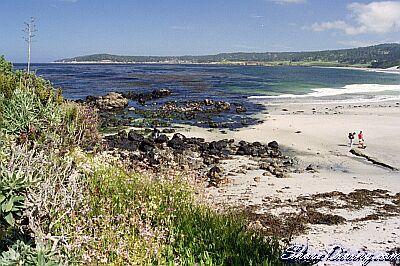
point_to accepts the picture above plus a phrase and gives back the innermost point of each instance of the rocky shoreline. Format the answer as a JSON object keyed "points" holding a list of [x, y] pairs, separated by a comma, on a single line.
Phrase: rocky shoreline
{"points": [[149, 109], [158, 151]]}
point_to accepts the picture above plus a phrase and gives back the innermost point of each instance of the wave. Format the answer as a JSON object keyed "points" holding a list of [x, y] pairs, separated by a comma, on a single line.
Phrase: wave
{"points": [[325, 92]]}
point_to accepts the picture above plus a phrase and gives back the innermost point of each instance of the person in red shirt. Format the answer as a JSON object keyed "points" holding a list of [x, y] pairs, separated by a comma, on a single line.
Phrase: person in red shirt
{"points": [[361, 140]]}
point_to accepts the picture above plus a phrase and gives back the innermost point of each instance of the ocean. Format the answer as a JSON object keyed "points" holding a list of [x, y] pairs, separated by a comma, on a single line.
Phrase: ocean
{"points": [[215, 81], [250, 86]]}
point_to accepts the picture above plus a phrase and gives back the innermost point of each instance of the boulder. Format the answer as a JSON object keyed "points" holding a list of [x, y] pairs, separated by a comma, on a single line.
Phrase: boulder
{"points": [[160, 93], [111, 101], [241, 109], [273, 145], [134, 136], [146, 146], [162, 139], [220, 105], [208, 102], [310, 168], [215, 176], [177, 142]]}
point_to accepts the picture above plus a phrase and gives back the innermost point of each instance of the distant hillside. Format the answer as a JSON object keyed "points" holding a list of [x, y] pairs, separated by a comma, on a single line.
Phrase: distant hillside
{"points": [[379, 56]]}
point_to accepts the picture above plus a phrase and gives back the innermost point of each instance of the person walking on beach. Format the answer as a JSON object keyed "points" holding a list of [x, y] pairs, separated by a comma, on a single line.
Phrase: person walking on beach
{"points": [[361, 140], [351, 138]]}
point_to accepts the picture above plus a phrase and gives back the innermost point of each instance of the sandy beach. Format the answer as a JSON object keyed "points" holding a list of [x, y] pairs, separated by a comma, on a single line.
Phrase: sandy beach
{"points": [[316, 134]]}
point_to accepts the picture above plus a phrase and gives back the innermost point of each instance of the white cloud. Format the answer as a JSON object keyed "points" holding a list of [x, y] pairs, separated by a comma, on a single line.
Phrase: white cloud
{"points": [[355, 43], [287, 1], [375, 17]]}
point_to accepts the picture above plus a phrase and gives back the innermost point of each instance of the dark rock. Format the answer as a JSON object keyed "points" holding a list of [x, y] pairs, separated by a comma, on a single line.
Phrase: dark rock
{"points": [[215, 176], [122, 134], [241, 109], [141, 101], [222, 105], [160, 93], [168, 130], [177, 142], [134, 136], [146, 146], [218, 145], [310, 168], [209, 160], [162, 139], [273, 145], [264, 166]]}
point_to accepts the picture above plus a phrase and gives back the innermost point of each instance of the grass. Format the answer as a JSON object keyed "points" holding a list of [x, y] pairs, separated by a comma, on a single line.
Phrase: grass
{"points": [[143, 221]]}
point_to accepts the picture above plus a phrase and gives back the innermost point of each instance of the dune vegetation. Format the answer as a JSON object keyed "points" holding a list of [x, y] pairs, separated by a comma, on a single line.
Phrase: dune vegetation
{"points": [[64, 201]]}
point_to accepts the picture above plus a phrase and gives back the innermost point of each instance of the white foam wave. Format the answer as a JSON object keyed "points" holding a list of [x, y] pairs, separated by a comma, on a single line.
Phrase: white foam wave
{"points": [[348, 89]]}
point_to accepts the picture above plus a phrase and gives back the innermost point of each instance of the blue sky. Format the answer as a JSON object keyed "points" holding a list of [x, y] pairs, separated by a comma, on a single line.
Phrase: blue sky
{"points": [[68, 28]]}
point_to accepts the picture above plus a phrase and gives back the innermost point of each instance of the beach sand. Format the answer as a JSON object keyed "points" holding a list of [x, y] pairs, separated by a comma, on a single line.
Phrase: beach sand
{"points": [[316, 134]]}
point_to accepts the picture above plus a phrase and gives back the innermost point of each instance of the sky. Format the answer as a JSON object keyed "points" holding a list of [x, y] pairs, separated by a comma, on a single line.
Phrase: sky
{"points": [[68, 28]]}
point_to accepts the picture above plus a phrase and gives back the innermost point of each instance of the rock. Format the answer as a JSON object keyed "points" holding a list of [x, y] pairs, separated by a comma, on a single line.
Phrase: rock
{"points": [[177, 142], [146, 146], [134, 136], [168, 130], [212, 124], [311, 168], [279, 174], [141, 101], [264, 166], [153, 158], [218, 145], [111, 101], [273, 145], [122, 134], [271, 169], [162, 139], [208, 102], [222, 105], [358, 152], [257, 179], [209, 160], [215, 176], [160, 93], [241, 109]]}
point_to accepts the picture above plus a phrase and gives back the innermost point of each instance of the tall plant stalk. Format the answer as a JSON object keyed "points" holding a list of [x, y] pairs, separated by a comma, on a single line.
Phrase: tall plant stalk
{"points": [[30, 29]]}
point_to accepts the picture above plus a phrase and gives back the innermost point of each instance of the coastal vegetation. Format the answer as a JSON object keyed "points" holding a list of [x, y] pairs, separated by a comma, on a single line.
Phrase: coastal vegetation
{"points": [[377, 56], [63, 200]]}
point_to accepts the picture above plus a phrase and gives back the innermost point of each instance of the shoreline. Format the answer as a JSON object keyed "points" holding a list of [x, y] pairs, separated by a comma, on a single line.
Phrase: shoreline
{"points": [[391, 70]]}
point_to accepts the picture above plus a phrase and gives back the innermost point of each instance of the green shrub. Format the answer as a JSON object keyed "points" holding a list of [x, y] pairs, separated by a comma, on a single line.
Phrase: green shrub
{"points": [[46, 186], [24, 111], [79, 126], [23, 254], [8, 83], [5, 66]]}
